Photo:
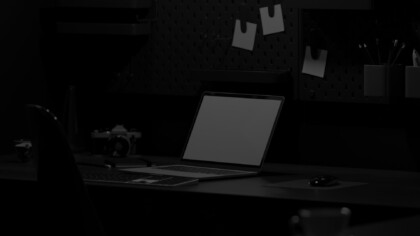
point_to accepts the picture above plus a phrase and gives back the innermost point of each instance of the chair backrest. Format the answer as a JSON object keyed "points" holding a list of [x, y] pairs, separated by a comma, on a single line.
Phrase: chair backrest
{"points": [[65, 201]]}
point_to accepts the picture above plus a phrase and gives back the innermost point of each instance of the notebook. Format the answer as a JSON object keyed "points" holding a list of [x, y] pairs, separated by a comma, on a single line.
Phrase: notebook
{"points": [[230, 136]]}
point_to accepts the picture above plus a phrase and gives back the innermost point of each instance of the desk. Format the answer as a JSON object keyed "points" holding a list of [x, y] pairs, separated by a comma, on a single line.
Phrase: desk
{"points": [[403, 226], [246, 203]]}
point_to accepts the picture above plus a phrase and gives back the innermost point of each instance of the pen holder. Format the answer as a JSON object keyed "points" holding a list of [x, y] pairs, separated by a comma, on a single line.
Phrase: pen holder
{"points": [[383, 81], [412, 82]]}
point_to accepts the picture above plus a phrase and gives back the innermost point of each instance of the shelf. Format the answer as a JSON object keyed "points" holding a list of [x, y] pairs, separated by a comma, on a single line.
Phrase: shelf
{"points": [[132, 4], [104, 28], [331, 4], [257, 77], [238, 81]]}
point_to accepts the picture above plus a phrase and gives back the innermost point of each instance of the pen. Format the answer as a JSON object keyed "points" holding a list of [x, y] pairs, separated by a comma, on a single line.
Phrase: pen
{"points": [[398, 53], [364, 46], [415, 58], [378, 51], [391, 51], [368, 53]]}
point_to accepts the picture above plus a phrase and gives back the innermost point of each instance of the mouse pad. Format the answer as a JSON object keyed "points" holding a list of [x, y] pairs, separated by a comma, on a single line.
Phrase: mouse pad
{"points": [[303, 184]]}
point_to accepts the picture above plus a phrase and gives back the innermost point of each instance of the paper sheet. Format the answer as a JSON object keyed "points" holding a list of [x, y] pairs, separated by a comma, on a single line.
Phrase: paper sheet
{"points": [[315, 67], [246, 39], [271, 25]]}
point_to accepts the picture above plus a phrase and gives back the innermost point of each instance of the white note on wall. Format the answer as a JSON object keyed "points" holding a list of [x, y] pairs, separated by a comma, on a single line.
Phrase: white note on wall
{"points": [[315, 67], [271, 25], [246, 39]]}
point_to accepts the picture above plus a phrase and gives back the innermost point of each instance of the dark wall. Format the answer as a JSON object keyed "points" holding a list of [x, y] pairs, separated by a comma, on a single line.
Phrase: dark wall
{"points": [[21, 70], [379, 136], [153, 100]]}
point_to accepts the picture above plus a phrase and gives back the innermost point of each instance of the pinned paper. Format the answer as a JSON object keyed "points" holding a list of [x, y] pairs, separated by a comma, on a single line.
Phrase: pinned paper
{"points": [[246, 39], [271, 25], [315, 67]]}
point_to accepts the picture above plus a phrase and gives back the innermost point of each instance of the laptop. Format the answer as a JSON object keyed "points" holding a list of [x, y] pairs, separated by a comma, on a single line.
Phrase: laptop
{"points": [[230, 136]]}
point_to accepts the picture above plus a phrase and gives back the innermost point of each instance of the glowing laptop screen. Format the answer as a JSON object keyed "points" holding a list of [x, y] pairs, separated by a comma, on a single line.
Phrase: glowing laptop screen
{"points": [[234, 130]]}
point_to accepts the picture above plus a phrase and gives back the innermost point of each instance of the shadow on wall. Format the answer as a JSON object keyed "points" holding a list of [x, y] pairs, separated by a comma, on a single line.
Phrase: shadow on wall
{"points": [[361, 147], [21, 73]]}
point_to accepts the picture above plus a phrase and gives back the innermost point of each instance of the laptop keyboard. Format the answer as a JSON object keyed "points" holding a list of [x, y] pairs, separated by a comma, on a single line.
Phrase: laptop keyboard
{"points": [[137, 178], [202, 170]]}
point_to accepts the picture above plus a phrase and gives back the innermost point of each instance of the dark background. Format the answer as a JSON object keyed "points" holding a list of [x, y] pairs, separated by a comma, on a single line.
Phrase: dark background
{"points": [[152, 82]]}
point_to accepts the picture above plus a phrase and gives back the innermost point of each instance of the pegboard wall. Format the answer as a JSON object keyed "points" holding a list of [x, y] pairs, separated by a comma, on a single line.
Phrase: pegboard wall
{"points": [[191, 35], [341, 32]]}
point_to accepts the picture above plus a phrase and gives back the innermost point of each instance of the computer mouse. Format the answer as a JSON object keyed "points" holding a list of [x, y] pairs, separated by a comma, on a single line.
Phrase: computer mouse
{"points": [[323, 181]]}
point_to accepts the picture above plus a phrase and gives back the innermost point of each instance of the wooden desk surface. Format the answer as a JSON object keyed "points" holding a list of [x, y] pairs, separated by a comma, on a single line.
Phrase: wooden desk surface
{"points": [[382, 188], [245, 201], [402, 226]]}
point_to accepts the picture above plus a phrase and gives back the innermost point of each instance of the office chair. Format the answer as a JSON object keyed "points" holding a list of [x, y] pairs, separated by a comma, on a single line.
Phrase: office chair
{"points": [[64, 201]]}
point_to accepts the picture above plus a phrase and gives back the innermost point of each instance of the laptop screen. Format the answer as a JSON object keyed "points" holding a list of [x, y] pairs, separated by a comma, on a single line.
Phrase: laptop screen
{"points": [[233, 129]]}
